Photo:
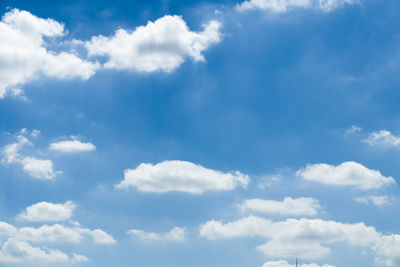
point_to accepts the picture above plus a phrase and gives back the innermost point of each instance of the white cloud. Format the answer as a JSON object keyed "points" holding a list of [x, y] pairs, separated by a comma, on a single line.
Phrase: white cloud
{"points": [[24, 53], [288, 249], [346, 174], [182, 176], [283, 263], [27, 49], [303, 238], [18, 247], [76, 258], [101, 237], [11, 152], [382, 138], [160, 45], [18, 251], [305, 206], [388, 251], [72, 146], [249, 226], [7, 230], [277, 6], [330, 5], [60, 233], [281, 6], [353, 129], [51, 234], [47, 212], [176, 234], [37, 168], [269, 180], [144, 235], [379, 201], [35, 133]]}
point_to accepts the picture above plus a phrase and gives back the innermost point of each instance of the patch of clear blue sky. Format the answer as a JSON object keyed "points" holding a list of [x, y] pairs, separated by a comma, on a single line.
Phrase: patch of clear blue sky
{"points": [[279, 91]]}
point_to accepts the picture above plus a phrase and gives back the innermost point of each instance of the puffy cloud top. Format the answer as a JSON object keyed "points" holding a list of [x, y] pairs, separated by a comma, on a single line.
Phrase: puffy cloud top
{"points": [[48, 212], [160, 45], [37, 168], [382, 138], [346, 174], [304, 238], [182, 176], [24, 54]]}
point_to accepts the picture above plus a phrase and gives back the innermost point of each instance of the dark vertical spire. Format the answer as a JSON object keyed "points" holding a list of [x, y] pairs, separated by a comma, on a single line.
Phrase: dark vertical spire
{"points": [[296, 262]]}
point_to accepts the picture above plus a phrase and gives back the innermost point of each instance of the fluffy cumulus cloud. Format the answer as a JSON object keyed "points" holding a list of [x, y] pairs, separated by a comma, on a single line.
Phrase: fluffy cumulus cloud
{"points": [[280, 6], [382, 138], [47, 212], [388, 251], [307, 239], [72, 146], [160, 45], [379, 201], [17, 251], [30, 244], [303, 206], [283, 263], [18, 245], [176, 234], [303, 238], [28, 47], [24, 53], [6, 229], [346, 174], [182, 176], [37, 168], [60, 233]]}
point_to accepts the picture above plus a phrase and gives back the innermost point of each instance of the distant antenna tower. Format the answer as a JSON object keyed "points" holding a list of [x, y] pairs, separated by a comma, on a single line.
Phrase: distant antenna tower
{"points": [[296, 262]]}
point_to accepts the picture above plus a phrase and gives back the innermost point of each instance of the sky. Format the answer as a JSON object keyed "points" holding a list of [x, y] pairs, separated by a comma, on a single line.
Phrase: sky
{"points": [[200, 133]]}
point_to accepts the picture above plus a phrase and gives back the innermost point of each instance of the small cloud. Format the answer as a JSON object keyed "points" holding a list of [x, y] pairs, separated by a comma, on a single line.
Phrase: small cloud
{"points": [[176, 234], [378, 201], [348, 173], [37, 168], [382, 138], [283, 6], [269, 180], [303, 206], [101, 237], [47, 212], [72, 146], [35, 133], [353, 129]]}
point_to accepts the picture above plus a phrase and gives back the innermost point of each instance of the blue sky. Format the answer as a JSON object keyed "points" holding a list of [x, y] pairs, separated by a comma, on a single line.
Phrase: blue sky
{"points": [[199, 133]]}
